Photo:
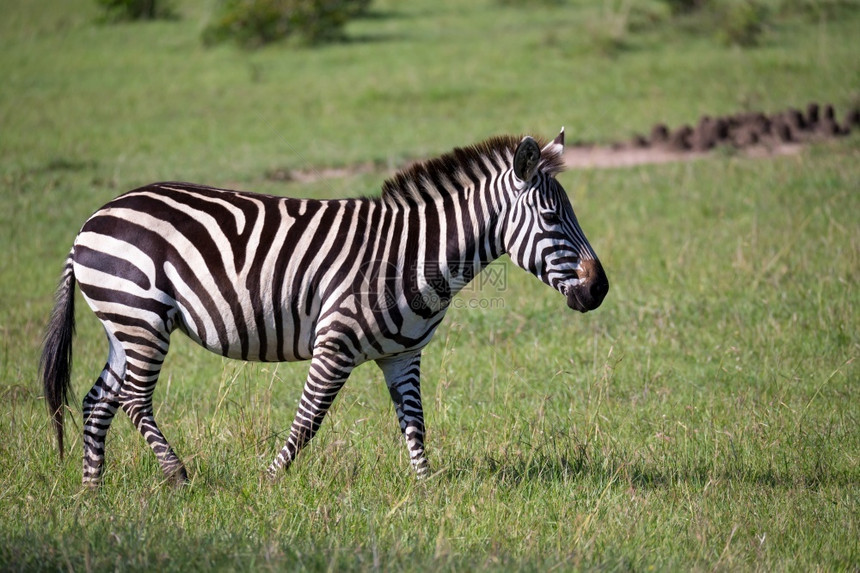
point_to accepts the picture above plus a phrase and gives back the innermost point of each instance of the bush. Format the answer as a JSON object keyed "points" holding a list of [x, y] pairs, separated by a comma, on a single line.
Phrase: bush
{"points": [[742, 22], [684, 6], [529, 3], [734, 22], [252, 23], [819, 9], [119, 10]]}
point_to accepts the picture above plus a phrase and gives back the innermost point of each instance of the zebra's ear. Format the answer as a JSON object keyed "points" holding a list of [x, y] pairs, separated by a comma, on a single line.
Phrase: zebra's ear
{"points": [[552, 155], [526, 159], [554, 147]]}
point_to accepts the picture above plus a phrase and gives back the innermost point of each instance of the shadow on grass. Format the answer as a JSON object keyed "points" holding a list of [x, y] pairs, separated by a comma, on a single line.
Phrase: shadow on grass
{"points": [[579, 466], [99, 547], [377, 38], [376, 15], [60, 164]]}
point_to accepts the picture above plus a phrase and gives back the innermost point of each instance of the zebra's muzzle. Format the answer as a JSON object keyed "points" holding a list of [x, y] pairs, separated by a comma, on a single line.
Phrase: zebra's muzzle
{"points": [[588, 292]]}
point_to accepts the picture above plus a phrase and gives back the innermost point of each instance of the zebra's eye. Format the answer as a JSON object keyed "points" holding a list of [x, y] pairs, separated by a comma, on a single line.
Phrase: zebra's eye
{"points": [[550, 217]]}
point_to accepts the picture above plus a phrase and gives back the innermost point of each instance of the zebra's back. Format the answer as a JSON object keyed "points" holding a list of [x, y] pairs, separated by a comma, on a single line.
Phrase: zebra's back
{"points": [[246, 275]]}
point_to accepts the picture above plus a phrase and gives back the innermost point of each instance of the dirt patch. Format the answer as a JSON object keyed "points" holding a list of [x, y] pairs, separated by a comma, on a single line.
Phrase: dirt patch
{"points": [[317, 174], [596, 157], [753, 134]]}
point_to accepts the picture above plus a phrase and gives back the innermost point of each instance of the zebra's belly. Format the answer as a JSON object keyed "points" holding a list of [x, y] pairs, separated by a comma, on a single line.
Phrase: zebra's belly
{"points": [[368, 332], [295, 341], [264, 338]]}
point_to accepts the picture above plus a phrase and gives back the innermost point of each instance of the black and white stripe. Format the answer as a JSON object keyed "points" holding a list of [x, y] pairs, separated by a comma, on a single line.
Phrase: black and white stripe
{"points": [[340, 282]]}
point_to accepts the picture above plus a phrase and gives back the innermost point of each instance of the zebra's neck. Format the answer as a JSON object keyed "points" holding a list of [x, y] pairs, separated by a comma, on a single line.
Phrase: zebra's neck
{"points": [[454, 211]]}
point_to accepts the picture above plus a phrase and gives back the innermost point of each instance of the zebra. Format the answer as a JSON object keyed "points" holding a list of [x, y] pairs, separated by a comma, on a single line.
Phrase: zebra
{"points": [[337, 282]]}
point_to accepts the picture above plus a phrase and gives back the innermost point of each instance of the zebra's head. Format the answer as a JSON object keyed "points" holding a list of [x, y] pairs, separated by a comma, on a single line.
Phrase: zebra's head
{"points": [[542, 234]]}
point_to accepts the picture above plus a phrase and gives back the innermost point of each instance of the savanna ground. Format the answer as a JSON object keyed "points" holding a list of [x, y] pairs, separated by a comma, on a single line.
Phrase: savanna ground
{"points": [[705, 417]]}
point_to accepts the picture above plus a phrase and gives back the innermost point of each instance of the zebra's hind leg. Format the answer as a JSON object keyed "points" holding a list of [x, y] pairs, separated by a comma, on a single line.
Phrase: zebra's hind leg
{"points": [[403, 377], [144, 366], [140, 347], [327, 375], [137, 403], [99, 407]]}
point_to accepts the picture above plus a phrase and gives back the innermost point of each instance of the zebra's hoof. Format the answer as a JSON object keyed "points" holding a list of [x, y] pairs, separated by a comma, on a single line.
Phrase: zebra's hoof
{"points": [[178, 478], [422, 471], [272, 475], [92, 484]]}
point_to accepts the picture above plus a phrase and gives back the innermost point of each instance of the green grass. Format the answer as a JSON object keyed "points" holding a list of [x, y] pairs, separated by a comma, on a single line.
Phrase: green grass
{"points": [[705, 417]]}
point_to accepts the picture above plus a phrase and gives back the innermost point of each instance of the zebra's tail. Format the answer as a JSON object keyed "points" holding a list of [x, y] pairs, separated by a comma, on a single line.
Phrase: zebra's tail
{"points": [[56, 363]]}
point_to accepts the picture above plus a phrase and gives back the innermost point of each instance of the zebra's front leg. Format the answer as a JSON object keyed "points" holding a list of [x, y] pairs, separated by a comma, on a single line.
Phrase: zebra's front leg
{"points": [[403, 377], [327, 375]]}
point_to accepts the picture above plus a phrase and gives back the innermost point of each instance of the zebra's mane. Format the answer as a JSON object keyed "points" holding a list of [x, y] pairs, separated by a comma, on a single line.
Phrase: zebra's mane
{"points": [[412, 182]]}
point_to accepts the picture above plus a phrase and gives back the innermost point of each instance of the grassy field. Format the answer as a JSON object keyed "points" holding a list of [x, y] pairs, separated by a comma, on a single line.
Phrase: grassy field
{"points": [[704, 418]]}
